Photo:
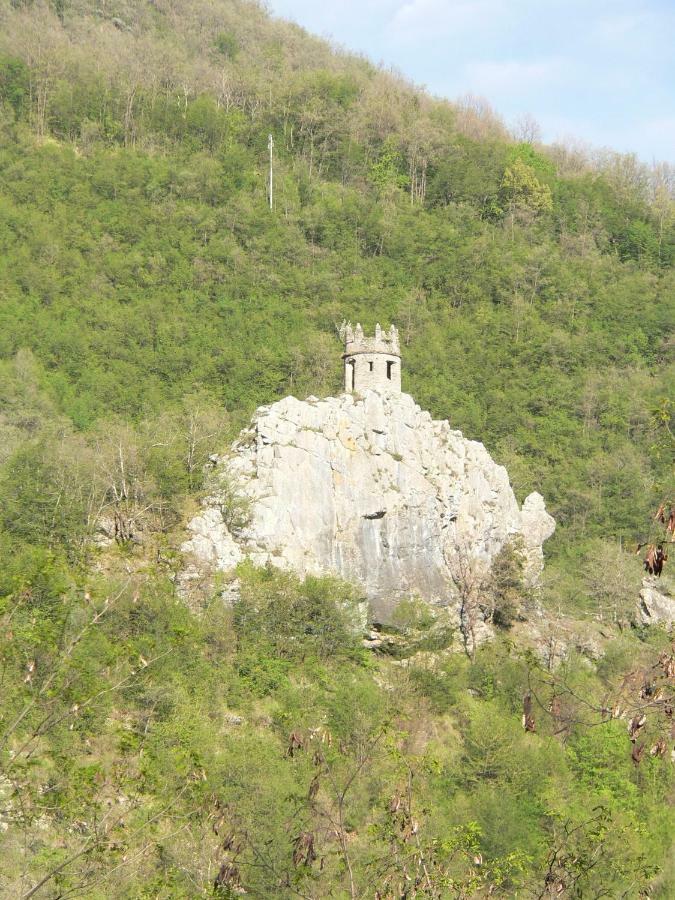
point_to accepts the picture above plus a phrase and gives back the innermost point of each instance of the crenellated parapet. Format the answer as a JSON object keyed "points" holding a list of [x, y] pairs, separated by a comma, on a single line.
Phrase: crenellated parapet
{"points": [[383, 342], [371, 363]]}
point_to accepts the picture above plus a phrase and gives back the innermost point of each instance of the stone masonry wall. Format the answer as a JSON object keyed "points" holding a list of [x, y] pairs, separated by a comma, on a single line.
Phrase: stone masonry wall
{"points": [[371, 363], [372, 371]]}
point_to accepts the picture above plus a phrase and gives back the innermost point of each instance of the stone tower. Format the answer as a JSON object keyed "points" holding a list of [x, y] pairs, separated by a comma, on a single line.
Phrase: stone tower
{"points": [[371, 364]]}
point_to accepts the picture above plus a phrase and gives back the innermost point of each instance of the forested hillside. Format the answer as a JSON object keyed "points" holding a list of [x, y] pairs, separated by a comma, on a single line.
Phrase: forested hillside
{"points": [[534, 290], [149, 301]]}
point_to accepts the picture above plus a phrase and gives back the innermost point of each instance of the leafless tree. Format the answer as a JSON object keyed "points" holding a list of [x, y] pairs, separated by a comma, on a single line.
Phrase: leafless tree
{"points": [[469, 577], [527, 129]]}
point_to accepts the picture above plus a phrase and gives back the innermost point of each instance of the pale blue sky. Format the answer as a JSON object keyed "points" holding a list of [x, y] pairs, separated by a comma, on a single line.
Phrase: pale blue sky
{"points": [[600, 71]]}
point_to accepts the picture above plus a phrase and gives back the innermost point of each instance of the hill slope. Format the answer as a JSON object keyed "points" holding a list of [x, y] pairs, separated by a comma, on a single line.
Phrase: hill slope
{"points": [[149, 301], [140, 260]]}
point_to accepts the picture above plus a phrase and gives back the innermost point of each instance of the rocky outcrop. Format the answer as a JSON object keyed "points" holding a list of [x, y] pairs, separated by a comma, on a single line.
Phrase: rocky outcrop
{"points": [[657, 604], [369, 488]]}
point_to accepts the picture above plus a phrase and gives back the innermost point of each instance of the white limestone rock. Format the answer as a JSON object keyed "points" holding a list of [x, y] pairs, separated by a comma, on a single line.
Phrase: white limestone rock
{"points": [[373, 490], [536, 527], [211, 541], [657, 604]]}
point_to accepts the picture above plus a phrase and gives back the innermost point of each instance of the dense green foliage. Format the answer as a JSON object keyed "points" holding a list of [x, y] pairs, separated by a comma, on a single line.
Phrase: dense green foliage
{"points": [[139, 259], [151, 746], [149, 300]]}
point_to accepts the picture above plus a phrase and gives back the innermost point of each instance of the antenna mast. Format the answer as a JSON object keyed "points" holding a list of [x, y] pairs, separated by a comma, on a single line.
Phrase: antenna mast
{"points": [[270, 145]]}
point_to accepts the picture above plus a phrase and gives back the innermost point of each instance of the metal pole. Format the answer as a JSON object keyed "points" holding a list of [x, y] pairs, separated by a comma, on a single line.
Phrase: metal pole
{"points": [[271, 148]]}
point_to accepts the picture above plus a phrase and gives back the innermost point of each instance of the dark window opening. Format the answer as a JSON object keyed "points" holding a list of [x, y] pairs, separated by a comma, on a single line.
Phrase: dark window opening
{"points": [[370, 365], [390, 369]]}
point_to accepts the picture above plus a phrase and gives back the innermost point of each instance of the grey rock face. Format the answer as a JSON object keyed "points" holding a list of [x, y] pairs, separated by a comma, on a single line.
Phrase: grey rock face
{"points": [[657, 604], [373, 490], [536, 526]]}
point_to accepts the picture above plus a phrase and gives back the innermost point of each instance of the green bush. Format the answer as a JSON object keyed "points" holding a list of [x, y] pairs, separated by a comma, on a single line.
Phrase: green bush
{"points": [[293, 619]]}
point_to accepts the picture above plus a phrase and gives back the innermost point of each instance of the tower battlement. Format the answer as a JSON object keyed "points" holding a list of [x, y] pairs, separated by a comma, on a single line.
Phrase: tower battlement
{"points": [[383, 341], [371, 363]]}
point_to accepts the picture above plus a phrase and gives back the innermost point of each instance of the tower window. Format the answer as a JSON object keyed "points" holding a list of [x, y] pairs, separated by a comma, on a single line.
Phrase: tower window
{"points": [[351, 375], [390, 369], [370, 365]]}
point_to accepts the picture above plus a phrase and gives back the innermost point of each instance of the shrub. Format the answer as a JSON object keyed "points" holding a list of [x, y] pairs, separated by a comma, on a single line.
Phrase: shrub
{"points": [[293, 619]]}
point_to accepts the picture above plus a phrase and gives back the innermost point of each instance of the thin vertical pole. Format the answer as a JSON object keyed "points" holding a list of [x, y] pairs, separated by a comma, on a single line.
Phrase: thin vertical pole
{"points": [[270, 144]]}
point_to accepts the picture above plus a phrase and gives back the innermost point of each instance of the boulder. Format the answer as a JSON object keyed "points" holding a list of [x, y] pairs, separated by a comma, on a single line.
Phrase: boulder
{"points": [[657, 604], [369, 488], [536, 526]]}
